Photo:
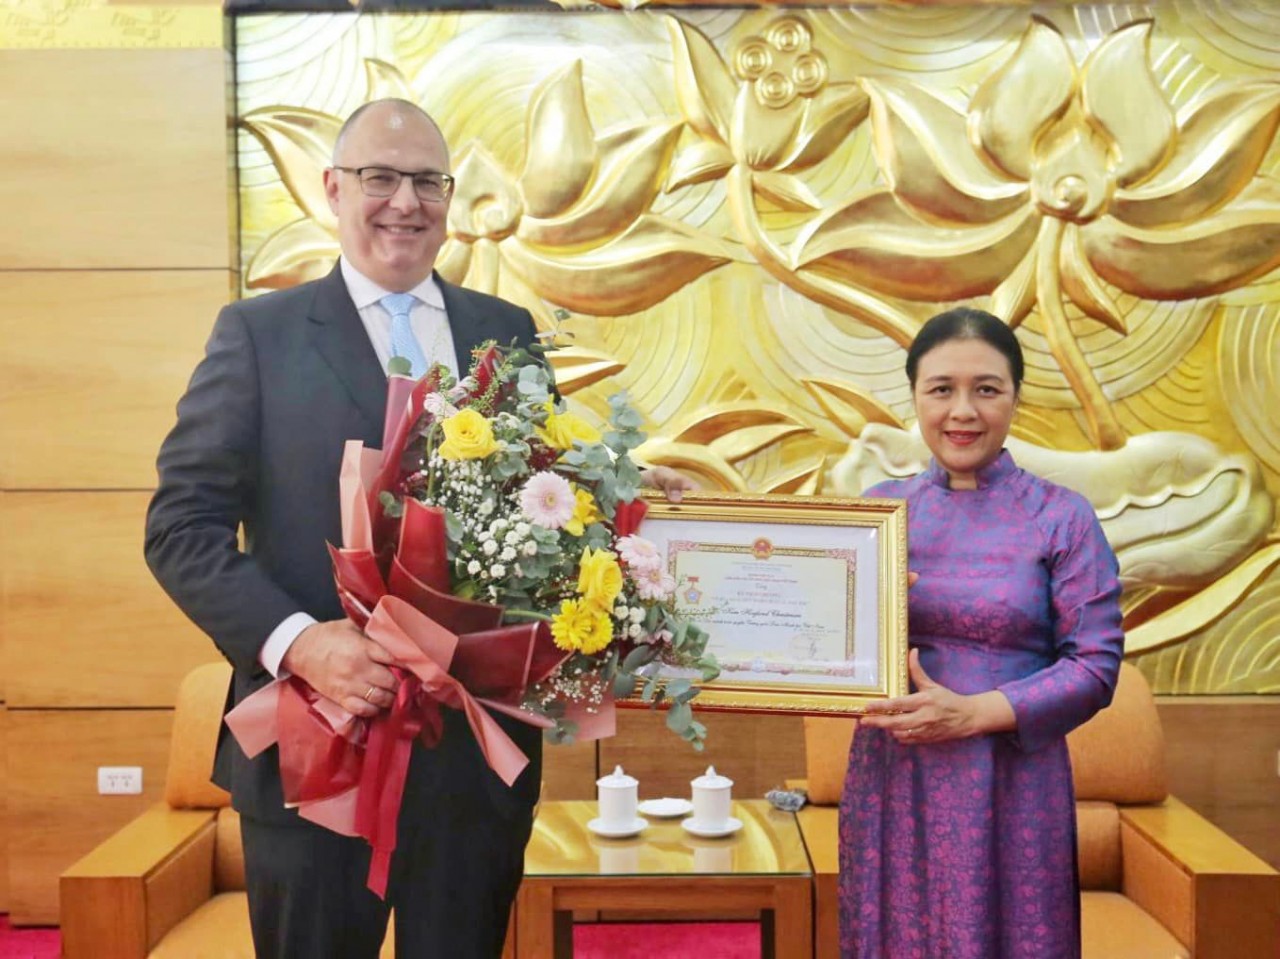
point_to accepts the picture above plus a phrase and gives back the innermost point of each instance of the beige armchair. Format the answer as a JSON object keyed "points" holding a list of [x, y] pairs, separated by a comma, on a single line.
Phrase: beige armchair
{"points": [[170, 884], [1158, 880]]}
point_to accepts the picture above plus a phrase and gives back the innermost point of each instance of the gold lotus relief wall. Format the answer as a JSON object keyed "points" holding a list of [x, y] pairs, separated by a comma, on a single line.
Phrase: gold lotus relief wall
{"points": [[747, 214]]}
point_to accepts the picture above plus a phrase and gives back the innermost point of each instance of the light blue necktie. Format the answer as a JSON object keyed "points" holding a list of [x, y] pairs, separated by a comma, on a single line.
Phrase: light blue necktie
{"points": [[403, 342]]}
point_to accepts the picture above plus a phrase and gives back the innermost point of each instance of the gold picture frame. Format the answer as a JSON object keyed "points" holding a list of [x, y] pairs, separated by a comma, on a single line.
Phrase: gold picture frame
{"points": [[805, 597]]}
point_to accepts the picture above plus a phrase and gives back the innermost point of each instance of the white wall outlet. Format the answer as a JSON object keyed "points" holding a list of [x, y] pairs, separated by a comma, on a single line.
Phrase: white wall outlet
{"points": [[119, 780]]}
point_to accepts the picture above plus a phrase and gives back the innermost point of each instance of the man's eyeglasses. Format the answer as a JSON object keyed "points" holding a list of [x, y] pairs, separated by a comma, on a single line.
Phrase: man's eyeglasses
{"points": [[381, 181]]}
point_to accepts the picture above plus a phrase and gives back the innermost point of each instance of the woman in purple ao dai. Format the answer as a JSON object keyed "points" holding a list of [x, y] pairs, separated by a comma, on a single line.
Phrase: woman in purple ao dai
{"points": [[957, 825]]}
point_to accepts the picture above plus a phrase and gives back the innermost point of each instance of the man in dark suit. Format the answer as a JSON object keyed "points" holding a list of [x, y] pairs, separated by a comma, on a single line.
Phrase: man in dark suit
{"points": [[288, 378]]}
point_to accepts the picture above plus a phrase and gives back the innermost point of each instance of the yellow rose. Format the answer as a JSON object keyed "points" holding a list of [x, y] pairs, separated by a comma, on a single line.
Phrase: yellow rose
{"points": [[599, 578], [585, 512], [467, 436], [580, 626], [562, 429]]}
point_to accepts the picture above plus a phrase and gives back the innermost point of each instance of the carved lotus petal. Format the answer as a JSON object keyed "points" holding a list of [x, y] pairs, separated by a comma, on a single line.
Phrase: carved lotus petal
{"points": [[1124, 99], [699, 162], [704, 87], [1178, 511], [1212, 255], [831, 116], [761, 134], [485, 203], [633, 165], [300, 143], [655, 257], [301, 251], [1084, 287], [1017, 101], [1219, 150], [872, 245], [924, 153], [560, 146], [785, 191], [849, 407], [577, 368]]}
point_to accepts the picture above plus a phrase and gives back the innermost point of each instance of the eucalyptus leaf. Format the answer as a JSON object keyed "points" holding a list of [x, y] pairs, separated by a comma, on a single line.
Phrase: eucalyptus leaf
{"points": [[680, 717]]}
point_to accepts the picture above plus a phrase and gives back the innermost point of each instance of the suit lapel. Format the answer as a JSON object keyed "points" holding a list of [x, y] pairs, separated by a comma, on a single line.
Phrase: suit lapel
{"points": [[340, 336]]}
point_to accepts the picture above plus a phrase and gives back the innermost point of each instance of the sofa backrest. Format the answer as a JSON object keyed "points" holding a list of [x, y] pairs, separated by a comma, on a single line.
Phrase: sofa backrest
{"points": [[1117, 756], [197, 718]]}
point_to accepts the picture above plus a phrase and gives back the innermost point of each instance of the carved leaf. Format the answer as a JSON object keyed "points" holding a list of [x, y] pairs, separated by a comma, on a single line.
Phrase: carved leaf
{"points": [[454, 260], [560, 144], [849, 406], [655, 257], [1084, 288], [704, 87], [1141, 121], [787, 191], [633, 164], [301, 251], [1017, 101], [577, 368], [873, 244], [1016, 296], [702, 161], [711, 470], [386, 80], [1219, 150], [832, 115], [922, 148], [300, 144], [804, 480], [1205, 607], [1217, 253]]}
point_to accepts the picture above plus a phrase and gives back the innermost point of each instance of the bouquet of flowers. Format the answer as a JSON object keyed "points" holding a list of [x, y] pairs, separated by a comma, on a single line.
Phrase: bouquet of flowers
{"points": [[491, 547], [541, 514]]}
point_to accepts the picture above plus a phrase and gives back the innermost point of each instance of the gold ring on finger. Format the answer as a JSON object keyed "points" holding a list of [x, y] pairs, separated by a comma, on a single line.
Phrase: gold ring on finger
{"points": [[368, 694]]}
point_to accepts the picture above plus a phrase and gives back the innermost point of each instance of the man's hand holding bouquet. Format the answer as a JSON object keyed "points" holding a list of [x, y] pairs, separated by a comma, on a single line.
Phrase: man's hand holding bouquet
{"points": [[492, 549]]}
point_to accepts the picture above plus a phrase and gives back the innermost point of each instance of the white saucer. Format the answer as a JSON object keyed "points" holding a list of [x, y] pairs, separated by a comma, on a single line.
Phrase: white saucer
{"points": [[729, 827], [599, 827], [666, 807]]}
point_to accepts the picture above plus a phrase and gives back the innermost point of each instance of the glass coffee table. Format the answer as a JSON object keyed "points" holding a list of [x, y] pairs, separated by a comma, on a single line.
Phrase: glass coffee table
{"points": [[761, 868]]}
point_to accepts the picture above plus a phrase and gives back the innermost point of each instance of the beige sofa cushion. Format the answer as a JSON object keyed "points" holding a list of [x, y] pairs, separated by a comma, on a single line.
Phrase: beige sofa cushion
{"points": [[1098, 842], [196, 721], [1113, 927]]}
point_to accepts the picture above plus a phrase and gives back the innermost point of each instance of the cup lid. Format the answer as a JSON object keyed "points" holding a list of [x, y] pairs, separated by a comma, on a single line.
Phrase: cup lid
{"points": [[617, 779], [712, 780]]}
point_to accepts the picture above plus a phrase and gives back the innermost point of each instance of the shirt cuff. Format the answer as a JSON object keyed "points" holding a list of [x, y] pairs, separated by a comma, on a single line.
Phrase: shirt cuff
{"points": [[272, 652]]}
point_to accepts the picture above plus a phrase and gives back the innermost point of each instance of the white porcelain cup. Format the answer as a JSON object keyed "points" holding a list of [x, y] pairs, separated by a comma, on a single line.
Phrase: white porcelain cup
{"points": [[617, 795], [712, 799]]}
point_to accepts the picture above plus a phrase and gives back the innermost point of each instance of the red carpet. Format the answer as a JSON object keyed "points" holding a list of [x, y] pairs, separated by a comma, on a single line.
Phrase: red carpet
{"points": [[619, 940], [675, 940], [28, 943]]}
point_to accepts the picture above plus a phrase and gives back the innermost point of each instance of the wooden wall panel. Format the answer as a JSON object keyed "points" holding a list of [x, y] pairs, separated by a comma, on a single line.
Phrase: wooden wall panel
{"points": [[86, 625], [114, 158], [92, 367], [1222, 755], [569, 771], [55, 814], [757, 752], [4, 818]]}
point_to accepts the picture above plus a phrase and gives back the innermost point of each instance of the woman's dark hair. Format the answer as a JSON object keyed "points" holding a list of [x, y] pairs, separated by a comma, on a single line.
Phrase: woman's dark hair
{"points": [[966, 323]]}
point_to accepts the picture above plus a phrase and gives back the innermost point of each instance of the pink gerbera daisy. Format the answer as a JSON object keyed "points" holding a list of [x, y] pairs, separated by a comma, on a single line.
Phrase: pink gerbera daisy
{"points": [[653, 583], [638, 553], [547, 499]]}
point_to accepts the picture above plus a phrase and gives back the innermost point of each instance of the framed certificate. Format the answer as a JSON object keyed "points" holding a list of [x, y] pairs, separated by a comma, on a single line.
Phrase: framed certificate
{"points": [[805, 597]]}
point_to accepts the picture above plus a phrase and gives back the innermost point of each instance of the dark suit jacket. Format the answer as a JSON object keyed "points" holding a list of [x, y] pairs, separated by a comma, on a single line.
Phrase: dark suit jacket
{"points": [[286, 380]]}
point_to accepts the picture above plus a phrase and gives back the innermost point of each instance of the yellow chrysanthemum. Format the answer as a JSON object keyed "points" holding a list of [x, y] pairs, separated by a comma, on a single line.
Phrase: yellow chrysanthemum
{"points": [[581, 627], [562, 429], [599, 578], [467, 436], [585, 512]]}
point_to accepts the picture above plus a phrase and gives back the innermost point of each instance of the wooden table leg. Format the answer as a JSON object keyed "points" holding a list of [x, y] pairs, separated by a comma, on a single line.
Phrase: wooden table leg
{"points": [[535, 921], [793, 920]]}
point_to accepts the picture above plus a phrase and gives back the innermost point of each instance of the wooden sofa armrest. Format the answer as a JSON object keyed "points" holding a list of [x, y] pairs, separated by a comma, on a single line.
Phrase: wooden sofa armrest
{"points": [[1216, 897], [121, 898]]}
